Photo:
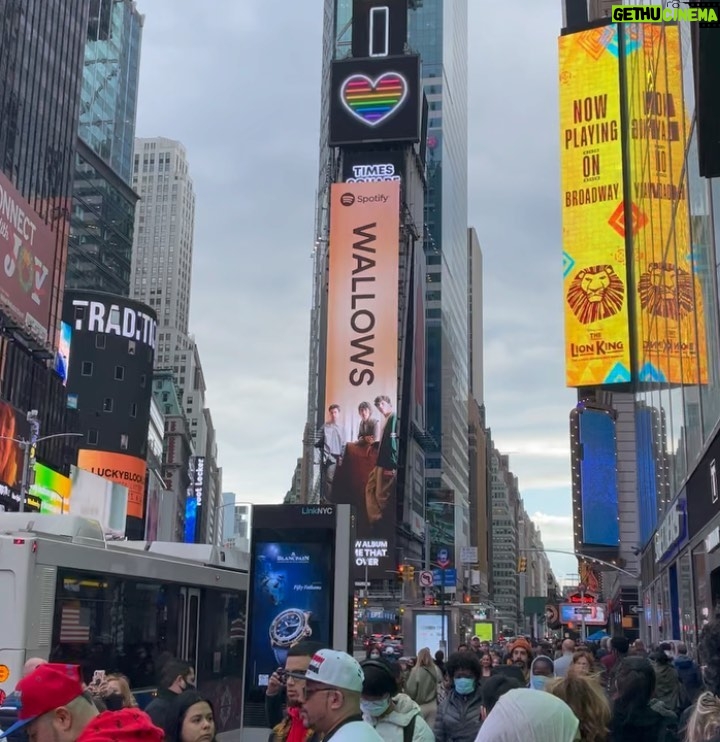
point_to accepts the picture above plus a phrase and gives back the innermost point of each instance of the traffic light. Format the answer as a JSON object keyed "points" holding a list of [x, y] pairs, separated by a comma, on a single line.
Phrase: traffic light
{"points": [[466, 598], [401, 573], [522, 564], [409, 573]]}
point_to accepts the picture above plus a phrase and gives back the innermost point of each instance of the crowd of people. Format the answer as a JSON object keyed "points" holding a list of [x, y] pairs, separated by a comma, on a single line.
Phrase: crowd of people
{"points": [[525, 692]]}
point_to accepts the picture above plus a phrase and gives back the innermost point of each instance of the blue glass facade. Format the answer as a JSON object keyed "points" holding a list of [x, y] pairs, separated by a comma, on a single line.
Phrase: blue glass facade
{"points": [[103, 213], [437, 30], [108, 104]]}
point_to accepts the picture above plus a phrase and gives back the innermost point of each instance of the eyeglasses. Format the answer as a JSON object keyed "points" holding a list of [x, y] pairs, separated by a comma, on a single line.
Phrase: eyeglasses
{"points": [[310, 692]]}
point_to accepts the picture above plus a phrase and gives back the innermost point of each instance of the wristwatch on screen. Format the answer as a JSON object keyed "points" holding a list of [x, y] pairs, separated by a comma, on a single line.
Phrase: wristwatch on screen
{"points": [[288, 627]]}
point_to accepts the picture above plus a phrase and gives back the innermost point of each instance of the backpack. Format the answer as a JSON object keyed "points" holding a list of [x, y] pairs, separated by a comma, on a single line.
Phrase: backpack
{"points": [[409, 730]]}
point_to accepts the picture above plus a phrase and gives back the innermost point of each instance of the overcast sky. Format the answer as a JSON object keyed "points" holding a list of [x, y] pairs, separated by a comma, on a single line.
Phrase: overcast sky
{"points": [[238, 83]]}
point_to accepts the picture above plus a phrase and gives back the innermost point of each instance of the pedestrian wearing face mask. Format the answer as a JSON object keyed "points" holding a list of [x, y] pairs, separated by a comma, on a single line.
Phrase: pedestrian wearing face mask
{"points": [[458, 716], [176, 677], [395, 716], [542, 671]]}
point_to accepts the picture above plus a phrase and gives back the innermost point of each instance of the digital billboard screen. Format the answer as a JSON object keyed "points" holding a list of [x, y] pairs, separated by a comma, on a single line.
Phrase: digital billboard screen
{"points": [[51, 489], [430, 629], [671, 325], [62, 355], [597, 343], [647, 479], [598, 478], [27, 256], [595, 614], [128, 471], [359, 440], [375, 100], [292, 591]]}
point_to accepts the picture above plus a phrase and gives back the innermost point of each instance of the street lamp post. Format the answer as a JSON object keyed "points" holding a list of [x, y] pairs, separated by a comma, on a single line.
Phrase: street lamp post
{"points": [[28, 447]]}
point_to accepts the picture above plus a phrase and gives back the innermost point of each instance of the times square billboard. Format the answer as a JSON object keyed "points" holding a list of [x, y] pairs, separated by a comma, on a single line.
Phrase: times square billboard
{"points": [[359, 441]]}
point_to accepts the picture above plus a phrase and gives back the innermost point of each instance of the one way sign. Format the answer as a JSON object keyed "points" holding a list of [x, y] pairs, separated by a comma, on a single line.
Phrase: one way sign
{"points": [[634, 609]]}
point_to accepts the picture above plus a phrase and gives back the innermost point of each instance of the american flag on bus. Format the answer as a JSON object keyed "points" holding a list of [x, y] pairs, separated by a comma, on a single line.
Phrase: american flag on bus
{"points": [[74, 624]]}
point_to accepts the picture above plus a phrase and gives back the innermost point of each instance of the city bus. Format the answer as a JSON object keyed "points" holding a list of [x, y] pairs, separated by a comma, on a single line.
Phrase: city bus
{"points": [[68, 595]]}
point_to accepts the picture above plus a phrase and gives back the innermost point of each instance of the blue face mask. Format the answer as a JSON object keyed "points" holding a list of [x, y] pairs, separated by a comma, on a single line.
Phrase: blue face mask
{"points": [[538, 682], [464, 686], [375, 708]]}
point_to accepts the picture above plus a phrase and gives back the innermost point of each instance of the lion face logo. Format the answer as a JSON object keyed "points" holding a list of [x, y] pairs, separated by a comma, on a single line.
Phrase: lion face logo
{"points": [[666, 291], [596, 293]]}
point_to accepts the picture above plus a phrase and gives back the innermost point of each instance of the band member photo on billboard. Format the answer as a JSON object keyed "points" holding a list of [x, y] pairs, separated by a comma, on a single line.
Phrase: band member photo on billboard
{"points": [[362, 472]]}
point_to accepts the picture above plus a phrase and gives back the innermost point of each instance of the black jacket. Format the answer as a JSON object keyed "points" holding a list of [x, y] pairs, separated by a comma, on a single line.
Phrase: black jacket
{"points": [[159, 707]]}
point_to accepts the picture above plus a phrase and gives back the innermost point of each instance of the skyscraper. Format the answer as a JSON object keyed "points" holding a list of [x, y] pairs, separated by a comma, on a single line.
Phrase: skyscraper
{"points": [[101, 238], [162, 251], [437, 29], [162, 277]]}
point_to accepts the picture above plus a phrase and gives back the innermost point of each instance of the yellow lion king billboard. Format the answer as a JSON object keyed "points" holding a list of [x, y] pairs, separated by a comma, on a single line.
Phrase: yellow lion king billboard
{"points": [[597, 342]]}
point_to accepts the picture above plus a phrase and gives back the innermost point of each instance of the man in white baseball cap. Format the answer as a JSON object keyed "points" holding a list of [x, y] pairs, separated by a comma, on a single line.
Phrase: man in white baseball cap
{"points": [[333, 684]]}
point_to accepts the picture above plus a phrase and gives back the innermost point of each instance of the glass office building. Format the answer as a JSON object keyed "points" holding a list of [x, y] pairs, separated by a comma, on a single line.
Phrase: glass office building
{"points": [[437, 30], [108, 105], [101, 234], [675, 276]]}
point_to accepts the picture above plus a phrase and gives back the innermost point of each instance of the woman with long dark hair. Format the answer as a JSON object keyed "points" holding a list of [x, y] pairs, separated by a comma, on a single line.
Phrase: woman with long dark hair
{"points": [[634, 719]]}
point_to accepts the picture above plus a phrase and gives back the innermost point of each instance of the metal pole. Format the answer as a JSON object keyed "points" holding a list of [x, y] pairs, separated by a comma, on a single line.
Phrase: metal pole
{"points": [[25, 470], [582, 608], [443, 641], [366, 590]]}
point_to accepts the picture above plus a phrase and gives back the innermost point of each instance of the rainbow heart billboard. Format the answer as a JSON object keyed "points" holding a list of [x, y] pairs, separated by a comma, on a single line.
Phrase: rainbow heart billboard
{"points": [[375, 99], [372, 101]]}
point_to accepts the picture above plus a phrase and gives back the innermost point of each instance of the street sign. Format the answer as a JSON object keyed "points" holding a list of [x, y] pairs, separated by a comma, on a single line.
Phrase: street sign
{"points": [[469, 554], [635, 609], [450, 577], [443, 557], [429, 600], [584, 611], [426, 578]]}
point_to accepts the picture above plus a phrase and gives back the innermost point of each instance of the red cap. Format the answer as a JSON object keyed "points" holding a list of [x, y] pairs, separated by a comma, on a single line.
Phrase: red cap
{"points": [[44, 689], [128, 725]]}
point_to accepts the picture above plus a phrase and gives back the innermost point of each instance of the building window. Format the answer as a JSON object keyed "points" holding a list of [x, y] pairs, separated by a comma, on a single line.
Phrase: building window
{"points": [[87, 368], [124, 439], [92, 437], [143, 381], [119, 373], [107, 404], [133, 409], [100, 341], [79, 312], [131, 347]]}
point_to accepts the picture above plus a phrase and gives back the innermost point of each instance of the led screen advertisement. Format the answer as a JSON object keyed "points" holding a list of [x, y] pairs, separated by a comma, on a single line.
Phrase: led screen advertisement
{"points": [[62, 355], [375, 100], [671, 326], [52, 490], [291, 587], [27, 256], [595, 613], [194, 499], [128, 471], [13, 425], [429, 631], [359, 440], [594, 454], [362, 166], [597, 347]]}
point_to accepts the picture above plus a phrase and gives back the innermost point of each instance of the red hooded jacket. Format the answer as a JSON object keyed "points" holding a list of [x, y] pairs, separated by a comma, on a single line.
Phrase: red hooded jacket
{"points": [[127, 725]]}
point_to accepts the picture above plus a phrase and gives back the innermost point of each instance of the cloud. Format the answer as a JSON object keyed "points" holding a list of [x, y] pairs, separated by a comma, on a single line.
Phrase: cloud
{"points": [[243, 95]]}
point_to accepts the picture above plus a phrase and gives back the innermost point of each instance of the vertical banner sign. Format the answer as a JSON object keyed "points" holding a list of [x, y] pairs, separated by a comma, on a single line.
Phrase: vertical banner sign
{"points": [[597, 346], [359, 440], [672, 339]]}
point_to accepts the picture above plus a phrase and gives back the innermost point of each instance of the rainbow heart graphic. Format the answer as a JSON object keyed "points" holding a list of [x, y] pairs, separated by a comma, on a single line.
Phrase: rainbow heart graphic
{"points": [[373, 101]]}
